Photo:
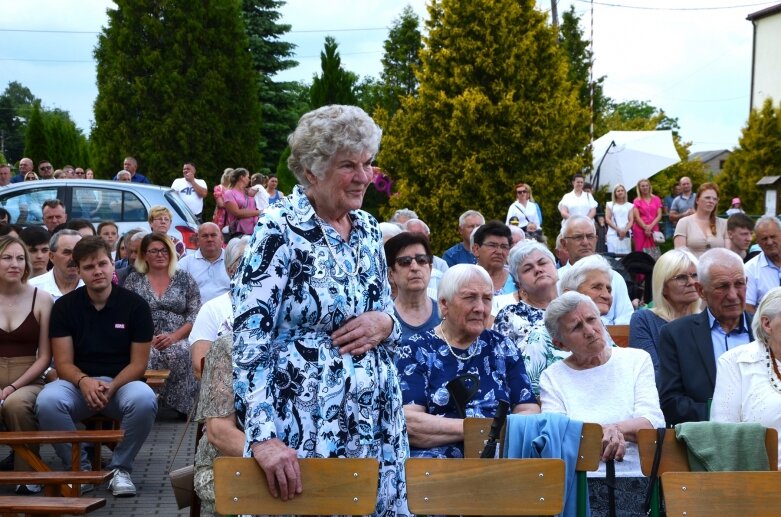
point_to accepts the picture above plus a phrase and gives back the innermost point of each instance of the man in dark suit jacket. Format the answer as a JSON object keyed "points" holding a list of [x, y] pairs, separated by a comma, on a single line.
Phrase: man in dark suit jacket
{"points": [[690, 346]]}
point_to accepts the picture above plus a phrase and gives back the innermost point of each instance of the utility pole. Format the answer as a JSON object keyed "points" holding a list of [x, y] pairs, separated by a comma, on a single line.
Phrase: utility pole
{"points": [[554, 14]]}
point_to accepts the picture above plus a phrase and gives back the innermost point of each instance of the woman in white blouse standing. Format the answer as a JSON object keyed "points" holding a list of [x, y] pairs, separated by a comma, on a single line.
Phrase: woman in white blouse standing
{"points": [[748, 379], [619, 217], [577, 202], [524, 212]]}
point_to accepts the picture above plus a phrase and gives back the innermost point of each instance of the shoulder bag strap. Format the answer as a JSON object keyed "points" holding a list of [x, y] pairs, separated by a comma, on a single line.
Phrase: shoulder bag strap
{"points": [[610, 481]]}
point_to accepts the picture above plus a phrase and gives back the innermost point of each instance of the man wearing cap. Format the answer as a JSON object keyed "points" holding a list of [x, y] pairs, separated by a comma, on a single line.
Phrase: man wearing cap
{"points": [[735, 209]]}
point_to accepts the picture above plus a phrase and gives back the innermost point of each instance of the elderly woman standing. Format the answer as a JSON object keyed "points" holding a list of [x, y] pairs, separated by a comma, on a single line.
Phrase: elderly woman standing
{"points": [[533, 268], [459, 345], [312, 305], [675, 296], [748, 378], [409, 260], [598, 383], [174, 298]]}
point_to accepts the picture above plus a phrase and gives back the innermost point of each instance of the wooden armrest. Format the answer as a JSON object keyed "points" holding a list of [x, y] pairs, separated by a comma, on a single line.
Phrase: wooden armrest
{"points": [[157, 374], [51, 505], [27, 437]]}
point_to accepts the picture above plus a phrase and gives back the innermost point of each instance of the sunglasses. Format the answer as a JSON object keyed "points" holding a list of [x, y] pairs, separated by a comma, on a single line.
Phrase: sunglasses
{"points": [[521, 191], [406, 261]]}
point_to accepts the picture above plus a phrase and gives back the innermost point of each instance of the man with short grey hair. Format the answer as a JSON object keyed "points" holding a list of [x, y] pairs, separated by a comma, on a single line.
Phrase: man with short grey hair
{"points": [[25, 166], [579, 237], [207, 264], [764, 271], [402, 215], [63, 277], [5, 175], [683, 204], [461, 253], [690, 346]]}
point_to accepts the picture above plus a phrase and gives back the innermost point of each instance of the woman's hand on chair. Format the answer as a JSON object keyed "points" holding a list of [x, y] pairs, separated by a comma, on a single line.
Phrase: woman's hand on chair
{"points": [[280, 464]]}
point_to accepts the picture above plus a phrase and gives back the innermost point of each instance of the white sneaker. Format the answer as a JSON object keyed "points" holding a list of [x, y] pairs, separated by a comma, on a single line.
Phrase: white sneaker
{"points": [[121, 485]]}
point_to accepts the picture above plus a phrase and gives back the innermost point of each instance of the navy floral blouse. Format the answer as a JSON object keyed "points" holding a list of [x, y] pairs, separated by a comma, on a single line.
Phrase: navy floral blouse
{"points": [[291, 292], [426, 364]]}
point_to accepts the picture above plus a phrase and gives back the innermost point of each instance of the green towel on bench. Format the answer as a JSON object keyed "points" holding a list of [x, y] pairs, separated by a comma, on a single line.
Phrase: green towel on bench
{"points": [[718, 446]]}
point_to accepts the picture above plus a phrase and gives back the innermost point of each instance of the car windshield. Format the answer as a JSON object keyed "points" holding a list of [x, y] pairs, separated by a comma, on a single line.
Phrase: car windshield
{"points": [[176, 202]]}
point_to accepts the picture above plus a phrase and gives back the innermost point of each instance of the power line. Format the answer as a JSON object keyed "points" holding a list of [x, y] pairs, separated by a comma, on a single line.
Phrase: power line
{"points": [[47, 60], [648, 8]]}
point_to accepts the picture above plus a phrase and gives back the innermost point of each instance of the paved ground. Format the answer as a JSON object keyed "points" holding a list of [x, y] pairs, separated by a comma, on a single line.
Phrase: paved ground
{"points": [[150, 472]]}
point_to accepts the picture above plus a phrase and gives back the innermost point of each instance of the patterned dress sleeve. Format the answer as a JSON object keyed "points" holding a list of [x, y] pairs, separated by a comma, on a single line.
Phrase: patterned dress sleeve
{"points": [[257, 296], [216, 398], [192, 295]]}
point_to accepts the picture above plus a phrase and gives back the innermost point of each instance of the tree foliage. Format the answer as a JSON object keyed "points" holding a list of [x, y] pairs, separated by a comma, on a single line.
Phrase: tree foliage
{"points": [[65, 142], [494, 107], [175, 83], [580, 60], [400, 60], [35, 141], [758, 154], [335, 85], [270, 55], [16, 103]]}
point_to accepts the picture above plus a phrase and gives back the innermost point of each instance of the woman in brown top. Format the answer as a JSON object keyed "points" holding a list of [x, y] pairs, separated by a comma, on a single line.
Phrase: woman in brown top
{"points": [[25, 351]]}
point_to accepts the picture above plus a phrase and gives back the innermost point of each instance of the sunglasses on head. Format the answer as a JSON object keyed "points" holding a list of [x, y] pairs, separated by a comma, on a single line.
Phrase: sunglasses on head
{"points": [[422, 259]]}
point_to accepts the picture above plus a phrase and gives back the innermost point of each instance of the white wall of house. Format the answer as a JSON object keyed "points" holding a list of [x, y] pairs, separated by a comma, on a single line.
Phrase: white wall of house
{"points": [[767, 60]]}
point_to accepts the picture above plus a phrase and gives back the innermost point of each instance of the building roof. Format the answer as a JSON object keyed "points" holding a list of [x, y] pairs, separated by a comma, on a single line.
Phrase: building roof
{"points": [[764, 13], [707, 156]]}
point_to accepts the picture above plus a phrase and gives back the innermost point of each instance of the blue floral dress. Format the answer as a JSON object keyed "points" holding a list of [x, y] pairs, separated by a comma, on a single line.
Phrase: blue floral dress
{"points": [[426, 364], [524, 325], [291, 292]]}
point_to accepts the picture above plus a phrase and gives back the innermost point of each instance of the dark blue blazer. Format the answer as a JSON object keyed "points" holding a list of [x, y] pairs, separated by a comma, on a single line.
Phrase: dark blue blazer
{"points": [[687, 368]]}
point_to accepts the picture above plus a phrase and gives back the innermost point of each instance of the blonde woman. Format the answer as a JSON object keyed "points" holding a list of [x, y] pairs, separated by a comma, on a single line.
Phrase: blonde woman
{"points": [[619, 216], [675, 296], [160, 220]]}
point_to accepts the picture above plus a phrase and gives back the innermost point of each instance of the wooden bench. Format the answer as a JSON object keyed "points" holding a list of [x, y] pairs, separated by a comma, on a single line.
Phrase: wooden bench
{"points": [[156, 378], [619, 334], [53, 479], [13, 505], [589, 452], [332, 486], [485, 487], [716, 494], [19, 441], [675, 457]]}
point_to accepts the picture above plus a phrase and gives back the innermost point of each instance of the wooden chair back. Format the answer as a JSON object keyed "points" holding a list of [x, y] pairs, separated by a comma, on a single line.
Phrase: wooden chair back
{"points": [[332, 486], [675, 457], [709, 494], [476, 434], [619, 334], [479, 487]]}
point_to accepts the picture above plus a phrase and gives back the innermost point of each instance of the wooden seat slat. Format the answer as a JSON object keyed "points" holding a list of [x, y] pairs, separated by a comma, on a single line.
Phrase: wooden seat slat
{"points": [[51, 505], [53, 477], [28, 437]]}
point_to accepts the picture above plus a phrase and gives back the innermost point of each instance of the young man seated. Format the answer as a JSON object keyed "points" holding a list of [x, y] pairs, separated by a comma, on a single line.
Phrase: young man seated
{"points": [[100, 335]]}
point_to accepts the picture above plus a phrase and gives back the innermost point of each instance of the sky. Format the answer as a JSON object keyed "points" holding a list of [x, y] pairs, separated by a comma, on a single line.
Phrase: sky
{"points": [[691, 58]]}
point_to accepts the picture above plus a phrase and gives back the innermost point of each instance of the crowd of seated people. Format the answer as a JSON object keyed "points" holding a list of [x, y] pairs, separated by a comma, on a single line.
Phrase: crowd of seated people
{"points": [[503, 319]]}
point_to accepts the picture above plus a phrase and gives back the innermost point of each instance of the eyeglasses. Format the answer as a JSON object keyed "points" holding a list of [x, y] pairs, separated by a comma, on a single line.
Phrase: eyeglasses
{"points": [[521, 191], [583, 236], [421, 259], [45, 167], [683, 279], [494, 246], [158, 251], [77, 173]]}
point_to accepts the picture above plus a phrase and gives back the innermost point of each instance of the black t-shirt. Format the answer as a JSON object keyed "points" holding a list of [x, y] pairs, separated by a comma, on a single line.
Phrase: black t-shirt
{"points": [[101, 339]]}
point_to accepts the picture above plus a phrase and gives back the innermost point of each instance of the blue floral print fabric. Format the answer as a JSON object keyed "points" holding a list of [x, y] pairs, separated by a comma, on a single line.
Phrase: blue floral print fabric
{"points": [[290, 293], [426, 364]]}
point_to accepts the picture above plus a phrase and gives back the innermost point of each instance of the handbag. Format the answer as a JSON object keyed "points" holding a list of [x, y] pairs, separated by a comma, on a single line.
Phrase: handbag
{"points": [[659, 237], [183, 479]]}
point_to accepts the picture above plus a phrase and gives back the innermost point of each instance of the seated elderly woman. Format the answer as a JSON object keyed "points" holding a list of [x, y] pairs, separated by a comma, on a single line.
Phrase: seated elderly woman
{"points": [[491, 243], [591, 276], [748, 379], [609, 385], [460, 345], [409, 268], [675, 296], [533, 268]]}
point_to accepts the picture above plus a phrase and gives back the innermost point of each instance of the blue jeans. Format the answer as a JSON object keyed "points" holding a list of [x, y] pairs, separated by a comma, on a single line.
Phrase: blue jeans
{"points": [[60, 405]]}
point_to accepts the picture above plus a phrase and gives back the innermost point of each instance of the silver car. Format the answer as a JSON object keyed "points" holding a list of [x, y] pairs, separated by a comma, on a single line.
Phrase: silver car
{"points": [[127, 204]]}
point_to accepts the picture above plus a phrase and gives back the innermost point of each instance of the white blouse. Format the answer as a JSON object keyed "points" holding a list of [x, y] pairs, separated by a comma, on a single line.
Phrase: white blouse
{"points": [[743, 391]]}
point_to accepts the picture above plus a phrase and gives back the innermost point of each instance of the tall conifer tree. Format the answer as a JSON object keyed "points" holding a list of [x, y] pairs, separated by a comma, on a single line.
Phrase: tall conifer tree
{"points": [[494, 107], [176, 83]]}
